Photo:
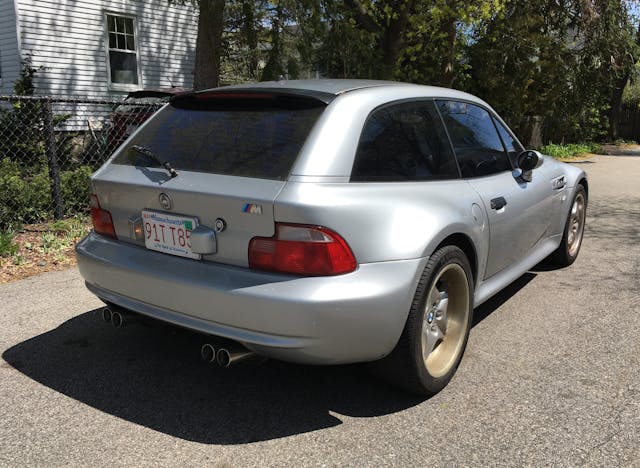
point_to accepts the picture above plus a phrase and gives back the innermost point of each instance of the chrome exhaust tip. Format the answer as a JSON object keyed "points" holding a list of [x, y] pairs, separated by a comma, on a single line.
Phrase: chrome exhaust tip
{"points": [[226, 358], [106, 314], [208, 353], [223, 357], [117, 320]]}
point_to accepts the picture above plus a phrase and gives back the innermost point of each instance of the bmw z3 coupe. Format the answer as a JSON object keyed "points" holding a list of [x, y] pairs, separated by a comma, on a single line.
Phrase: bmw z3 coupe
{"points": [[326, 222]]}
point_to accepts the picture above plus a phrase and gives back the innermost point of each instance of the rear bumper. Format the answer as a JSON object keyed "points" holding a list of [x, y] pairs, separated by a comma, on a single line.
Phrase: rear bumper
{"points": [[320, 320]]}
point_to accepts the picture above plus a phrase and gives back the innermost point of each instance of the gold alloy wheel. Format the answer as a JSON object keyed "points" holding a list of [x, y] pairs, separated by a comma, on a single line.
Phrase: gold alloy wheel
{"points": [[445, 320], [576, 225]]}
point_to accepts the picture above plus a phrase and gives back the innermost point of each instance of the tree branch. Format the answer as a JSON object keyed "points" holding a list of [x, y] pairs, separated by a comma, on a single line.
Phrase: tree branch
{"points": [[364, 19]]}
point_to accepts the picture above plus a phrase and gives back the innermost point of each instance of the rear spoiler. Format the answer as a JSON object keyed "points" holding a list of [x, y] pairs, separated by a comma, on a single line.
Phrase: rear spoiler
{"points": [[252, 98]]}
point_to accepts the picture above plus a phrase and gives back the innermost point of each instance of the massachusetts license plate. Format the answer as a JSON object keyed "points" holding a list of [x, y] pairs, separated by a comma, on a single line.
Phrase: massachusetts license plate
{"points": [[169, 233]]}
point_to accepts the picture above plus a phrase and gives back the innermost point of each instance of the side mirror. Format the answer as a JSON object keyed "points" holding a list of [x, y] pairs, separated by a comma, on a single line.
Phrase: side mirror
{"points": [[528, 161]]}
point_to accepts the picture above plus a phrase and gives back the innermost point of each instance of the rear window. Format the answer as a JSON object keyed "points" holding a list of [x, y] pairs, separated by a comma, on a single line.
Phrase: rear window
{"points": [[249, 136]]}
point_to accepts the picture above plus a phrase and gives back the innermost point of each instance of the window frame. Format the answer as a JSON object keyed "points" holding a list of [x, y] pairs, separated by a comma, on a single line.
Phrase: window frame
{"points": [[397, 102], [497, 120], [493, 116], [136, 39]]}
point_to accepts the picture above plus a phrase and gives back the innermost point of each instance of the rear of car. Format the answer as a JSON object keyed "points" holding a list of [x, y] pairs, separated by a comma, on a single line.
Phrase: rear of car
{"points": [[190, 228]]}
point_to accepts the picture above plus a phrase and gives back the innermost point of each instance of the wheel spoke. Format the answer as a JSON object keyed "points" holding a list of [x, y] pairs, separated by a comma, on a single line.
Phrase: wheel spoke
{"points": [[441, 312], [434, 297], [432, 335]]}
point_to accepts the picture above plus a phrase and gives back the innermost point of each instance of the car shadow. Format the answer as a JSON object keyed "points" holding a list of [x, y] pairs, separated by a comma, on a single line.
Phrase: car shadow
{"points": [[151, 374], [487, 308]]}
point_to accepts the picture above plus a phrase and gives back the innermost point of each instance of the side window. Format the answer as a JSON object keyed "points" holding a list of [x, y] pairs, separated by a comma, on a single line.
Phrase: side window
{"points": [[475, 139], [404, 142], [511, 144]]}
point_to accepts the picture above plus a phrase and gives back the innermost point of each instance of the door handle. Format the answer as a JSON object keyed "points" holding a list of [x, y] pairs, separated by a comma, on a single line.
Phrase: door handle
{"points": [[498, 203]]}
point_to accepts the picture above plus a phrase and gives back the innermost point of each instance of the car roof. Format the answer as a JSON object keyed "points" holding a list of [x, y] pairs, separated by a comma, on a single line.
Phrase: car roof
{"points": [[328, 89]]}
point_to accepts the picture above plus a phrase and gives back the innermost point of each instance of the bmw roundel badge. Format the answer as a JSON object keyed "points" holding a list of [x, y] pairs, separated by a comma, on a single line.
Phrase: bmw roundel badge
{"points": [[165, 201]]}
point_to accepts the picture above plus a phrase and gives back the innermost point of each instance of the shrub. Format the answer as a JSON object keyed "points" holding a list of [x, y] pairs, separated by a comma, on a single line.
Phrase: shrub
{"points": [[75, 189], [570, 150], [7, 246], [27, 198]]}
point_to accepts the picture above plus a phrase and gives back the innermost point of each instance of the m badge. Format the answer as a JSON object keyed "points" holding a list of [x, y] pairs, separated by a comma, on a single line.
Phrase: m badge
{"points": [[252, 209]]}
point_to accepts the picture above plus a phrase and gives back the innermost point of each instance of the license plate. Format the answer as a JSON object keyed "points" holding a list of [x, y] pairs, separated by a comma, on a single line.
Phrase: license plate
{"points": [[169, 233]]}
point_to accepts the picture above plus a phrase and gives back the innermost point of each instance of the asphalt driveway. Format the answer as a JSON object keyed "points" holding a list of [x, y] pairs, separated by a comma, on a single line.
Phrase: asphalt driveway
{"points": [[551, 376]]}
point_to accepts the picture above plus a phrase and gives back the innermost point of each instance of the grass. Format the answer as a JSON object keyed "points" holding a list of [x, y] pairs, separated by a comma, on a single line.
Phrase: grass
{"points": [[570, 150]]}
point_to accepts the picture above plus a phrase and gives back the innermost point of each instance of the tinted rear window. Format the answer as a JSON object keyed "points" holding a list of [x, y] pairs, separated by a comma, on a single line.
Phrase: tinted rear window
{"points": [[256, 137]]}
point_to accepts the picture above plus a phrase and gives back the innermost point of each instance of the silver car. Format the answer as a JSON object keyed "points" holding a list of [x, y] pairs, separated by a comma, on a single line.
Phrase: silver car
{"points": [[326, 222]]}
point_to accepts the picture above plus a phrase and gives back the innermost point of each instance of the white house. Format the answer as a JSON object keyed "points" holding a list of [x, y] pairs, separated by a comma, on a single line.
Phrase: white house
{"points": [[100, 48]]}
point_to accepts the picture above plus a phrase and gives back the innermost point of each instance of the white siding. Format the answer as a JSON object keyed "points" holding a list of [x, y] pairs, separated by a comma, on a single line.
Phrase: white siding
{"points": [[67, 39], [9, 48]]}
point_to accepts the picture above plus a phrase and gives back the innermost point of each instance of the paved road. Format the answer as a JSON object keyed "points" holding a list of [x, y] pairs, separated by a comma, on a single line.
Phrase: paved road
{"points": [[551, 376]]}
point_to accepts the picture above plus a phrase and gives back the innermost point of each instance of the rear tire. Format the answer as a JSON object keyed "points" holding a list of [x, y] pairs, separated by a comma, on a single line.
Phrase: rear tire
{"points": [[569, 247], [437, 328]]}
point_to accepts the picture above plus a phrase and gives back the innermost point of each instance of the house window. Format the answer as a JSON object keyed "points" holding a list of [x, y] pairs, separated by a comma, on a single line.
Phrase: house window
{"points": [[122, 50]]}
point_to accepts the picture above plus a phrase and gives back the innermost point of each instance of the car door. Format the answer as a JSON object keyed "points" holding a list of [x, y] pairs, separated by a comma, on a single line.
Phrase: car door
{"points": [[519, 212]]}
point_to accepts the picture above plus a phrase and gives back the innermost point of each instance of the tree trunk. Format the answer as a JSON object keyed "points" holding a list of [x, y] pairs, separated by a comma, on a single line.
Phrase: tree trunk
{"points": [[391, 42], [616, 106], [208, 44], [248, 13], [390, 45], [273, 69], [390, 38], [447, 76]]}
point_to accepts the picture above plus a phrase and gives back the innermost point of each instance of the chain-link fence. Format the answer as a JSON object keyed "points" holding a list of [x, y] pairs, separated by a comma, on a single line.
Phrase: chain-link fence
{"points": [[50, 146]]}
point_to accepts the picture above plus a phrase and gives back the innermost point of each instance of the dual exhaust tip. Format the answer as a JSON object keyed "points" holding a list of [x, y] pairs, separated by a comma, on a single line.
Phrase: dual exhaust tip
{"points": [[115, 317], [225, 357]]}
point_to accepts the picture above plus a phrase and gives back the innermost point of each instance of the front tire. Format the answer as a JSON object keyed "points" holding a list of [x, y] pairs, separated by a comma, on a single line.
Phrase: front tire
{"points": [[437, 328], [569, 247]]}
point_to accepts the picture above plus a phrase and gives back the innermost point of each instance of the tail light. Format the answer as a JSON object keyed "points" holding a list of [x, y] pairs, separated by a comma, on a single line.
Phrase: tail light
{"points": [[302, 250], [101, 219]]}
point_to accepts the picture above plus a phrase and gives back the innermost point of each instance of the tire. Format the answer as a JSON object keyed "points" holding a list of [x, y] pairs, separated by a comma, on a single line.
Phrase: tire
{"points": [[569, 247], [437, 328]]}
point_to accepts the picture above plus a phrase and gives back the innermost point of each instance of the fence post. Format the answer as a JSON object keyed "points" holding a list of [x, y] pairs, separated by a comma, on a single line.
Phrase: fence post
{"points": [[52, 160]]}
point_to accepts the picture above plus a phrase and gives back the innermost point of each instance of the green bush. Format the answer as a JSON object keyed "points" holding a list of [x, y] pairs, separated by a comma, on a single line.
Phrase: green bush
{"points": [[7, 246], [570, 150], [27, 197], [75, 189]]}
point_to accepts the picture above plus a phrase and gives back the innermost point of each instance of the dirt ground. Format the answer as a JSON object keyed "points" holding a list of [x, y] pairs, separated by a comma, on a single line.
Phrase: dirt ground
{"points": [[40, 249]]}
